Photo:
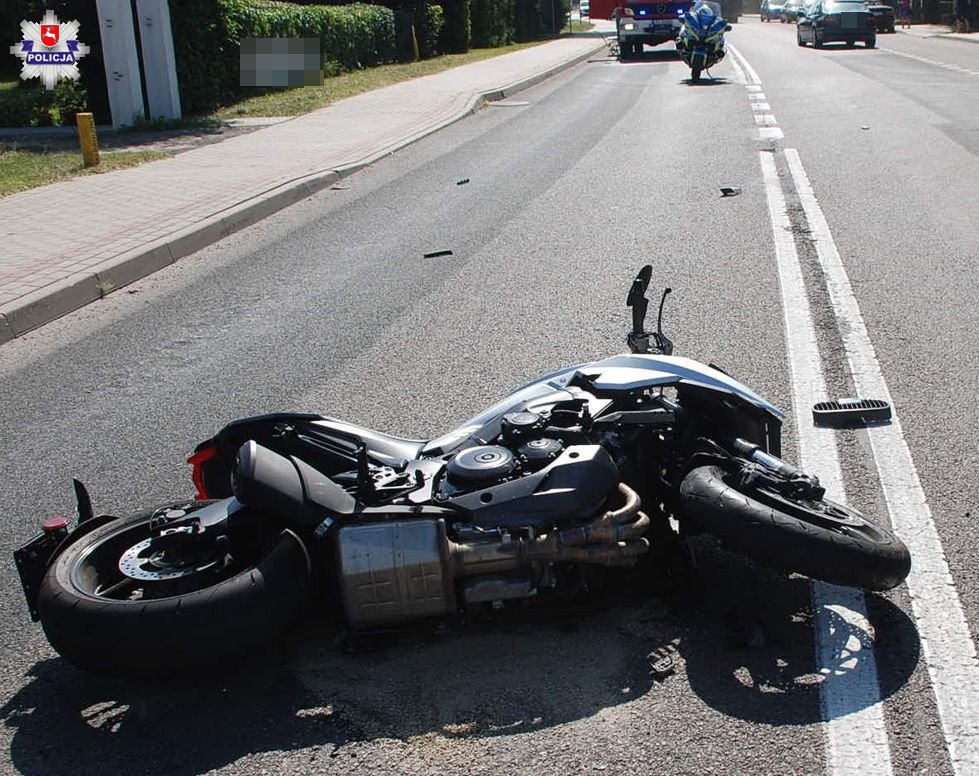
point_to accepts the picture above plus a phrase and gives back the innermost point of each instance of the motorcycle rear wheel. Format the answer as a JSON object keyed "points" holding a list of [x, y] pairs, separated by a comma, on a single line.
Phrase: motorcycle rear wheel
{"points": [[188, 612], [821, 539]]}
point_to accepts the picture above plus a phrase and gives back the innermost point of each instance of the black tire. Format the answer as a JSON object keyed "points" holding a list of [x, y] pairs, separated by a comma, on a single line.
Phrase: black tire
{"points": [[695, 74], [202, 618], [793, 535], [871, 42], [817, 39], [798, 38]]}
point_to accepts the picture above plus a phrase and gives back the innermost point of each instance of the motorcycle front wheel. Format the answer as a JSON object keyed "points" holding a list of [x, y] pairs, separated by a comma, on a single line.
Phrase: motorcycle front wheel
{"points": [[114, 603], [821, 539]]}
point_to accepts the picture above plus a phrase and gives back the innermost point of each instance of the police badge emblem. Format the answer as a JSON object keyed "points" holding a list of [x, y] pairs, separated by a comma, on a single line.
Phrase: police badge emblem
{"points": [[50, 50]]}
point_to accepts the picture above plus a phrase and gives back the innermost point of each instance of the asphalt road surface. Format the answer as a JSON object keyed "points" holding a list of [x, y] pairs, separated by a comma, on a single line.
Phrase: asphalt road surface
{"points": [[330, 306]]}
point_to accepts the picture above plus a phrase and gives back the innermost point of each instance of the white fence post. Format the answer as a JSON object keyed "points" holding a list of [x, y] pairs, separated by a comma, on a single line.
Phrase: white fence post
{"points": [[121, 61], [159, 63]]}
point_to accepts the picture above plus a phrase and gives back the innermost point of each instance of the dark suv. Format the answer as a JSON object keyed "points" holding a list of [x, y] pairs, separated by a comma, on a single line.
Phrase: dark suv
{"points": [[771, 9], [830, 21]]}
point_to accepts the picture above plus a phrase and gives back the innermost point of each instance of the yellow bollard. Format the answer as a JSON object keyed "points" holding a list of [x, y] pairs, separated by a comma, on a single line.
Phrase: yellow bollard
{"points": [[88, 139]]}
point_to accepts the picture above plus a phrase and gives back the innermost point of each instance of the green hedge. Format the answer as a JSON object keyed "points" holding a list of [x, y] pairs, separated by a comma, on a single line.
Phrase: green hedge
{"points": [[207, 35], [434, 24], [455, 32], [492, 23], [527, 20]]}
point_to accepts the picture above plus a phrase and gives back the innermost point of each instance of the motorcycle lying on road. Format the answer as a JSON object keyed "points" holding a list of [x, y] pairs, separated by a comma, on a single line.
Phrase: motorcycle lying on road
{"points": [[574, 473], [701, 39]]}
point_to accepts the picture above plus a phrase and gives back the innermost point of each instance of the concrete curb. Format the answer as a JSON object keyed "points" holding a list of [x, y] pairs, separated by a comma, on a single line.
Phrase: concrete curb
{"points": [[58, 299]]}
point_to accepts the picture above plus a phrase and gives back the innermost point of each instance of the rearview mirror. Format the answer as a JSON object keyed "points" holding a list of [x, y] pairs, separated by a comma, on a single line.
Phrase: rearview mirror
{"points": [[637, 298]]}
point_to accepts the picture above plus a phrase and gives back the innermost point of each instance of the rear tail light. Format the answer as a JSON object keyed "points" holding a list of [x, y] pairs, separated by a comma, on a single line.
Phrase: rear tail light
{"points": [[830, 20], [203, 453], [56, 526]]}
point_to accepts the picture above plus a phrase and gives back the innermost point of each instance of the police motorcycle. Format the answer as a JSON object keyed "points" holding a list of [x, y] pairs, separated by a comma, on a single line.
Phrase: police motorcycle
{"points": [[701, 39], [565, 482]]}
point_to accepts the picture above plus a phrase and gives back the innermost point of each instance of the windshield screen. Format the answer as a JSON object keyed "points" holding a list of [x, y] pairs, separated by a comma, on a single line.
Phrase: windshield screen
{"points": [[844, 5]]}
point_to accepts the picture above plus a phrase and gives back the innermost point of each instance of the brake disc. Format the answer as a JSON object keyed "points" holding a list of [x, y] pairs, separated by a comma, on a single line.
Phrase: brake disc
{"points": [[149, 563]]}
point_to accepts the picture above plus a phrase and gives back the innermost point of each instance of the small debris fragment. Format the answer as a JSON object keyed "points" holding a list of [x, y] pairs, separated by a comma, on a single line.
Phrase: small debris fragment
{"points": [[865, 126], [730, 191], [463, 182], [338, 187], [662, 667], [437, 254]]}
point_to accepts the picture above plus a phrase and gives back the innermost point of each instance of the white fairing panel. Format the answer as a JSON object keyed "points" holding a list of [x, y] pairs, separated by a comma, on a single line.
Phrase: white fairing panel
{"points": [[629, 372], [619, 373]]}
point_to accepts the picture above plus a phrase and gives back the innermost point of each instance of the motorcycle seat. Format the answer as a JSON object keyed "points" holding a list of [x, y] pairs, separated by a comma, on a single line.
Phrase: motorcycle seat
{"points": [[384, 448]]}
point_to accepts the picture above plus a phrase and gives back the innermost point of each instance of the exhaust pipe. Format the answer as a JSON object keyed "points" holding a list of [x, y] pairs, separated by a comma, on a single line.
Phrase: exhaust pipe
{"points": [[615, 538]]}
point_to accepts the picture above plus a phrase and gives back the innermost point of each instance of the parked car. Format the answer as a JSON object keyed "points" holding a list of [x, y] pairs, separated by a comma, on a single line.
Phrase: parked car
{"points": [[584, 8], [836, 21], [790, 11], [771, 9], [883, 16]]}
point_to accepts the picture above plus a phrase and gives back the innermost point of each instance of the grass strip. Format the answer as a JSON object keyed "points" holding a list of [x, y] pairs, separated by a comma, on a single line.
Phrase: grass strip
{"points": [[21, 170]]}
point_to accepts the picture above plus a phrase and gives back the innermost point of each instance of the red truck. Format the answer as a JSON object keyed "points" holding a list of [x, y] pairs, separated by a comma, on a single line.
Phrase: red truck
{"points": [[644, 23]]}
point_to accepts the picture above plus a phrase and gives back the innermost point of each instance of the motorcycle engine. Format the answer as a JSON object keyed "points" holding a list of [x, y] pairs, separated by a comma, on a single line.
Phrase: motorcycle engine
{"points": [[527, 478], [478, 466]]}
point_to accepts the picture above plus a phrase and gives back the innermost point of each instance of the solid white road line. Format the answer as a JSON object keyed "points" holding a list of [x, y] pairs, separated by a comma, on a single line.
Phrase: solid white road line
{"points": [[748, 69], [739, 75], [849, 692], [950, 653]]}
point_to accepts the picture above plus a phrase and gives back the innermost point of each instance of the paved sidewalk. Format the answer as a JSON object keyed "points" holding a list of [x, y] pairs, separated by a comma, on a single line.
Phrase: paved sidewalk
{"points": [[942, 31], [68, 244]]}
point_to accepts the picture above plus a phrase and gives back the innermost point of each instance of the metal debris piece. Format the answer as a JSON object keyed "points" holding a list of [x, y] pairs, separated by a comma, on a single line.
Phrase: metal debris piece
{"points": [[730, 191], [865, 126], [338, 187], [463, 182], [437, 254], [662, 667], [850, 412]]}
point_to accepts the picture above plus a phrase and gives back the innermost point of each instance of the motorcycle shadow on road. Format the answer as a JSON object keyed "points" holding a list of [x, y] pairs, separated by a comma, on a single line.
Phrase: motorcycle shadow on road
{"points": [[709, 81], [67, 721], [315, 696], [766, 669], [740, 639], [651, 55]]}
